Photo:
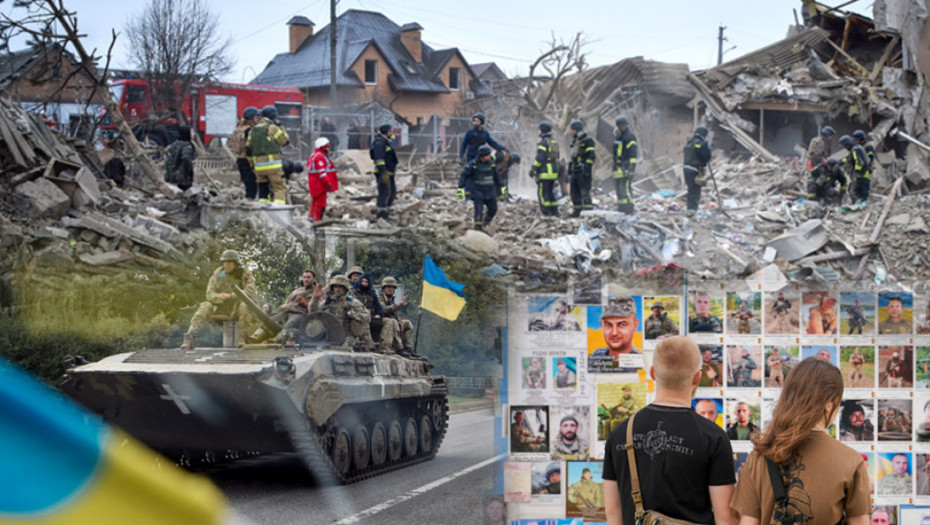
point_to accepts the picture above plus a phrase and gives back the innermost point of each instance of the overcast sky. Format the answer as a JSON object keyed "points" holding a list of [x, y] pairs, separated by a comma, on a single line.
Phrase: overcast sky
{"points": [[511, 33]]}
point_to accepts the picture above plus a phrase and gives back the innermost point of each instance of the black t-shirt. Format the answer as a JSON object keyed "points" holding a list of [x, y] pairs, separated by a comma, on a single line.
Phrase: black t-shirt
{"points": [[679, 454]]}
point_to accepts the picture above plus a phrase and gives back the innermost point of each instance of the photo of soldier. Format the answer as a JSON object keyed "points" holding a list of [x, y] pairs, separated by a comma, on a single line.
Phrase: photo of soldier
{"points": [[894, 474], [894, 419], [884, 515], [529, 429], [856, 420], [738, 459], [857, 313], [564, 373], [710, 409], [825, 352], [869, 458], [572, 436], [895, 313], [922, 414], [922, 312], [778, 362], [744, 313], [921, 473], [553, 314], [584, 495], [705, 313], [616, 402], [587, 290], [546, 479], [534, 372], [664, 318], [744, 368], [858, 366], [818, 313], [894, 367], [922, 372], [743, 418], [711, 365], [782, 313], [614, 336]]}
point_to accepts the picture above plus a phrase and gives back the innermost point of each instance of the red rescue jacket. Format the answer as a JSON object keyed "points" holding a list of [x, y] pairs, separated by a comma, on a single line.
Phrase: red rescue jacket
{"points": [[321, 173]]}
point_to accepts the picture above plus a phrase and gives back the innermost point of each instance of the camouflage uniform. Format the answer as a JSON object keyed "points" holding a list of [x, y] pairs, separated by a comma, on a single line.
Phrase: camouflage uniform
{"points": [[402, 328], [368, 297], [220, 283], [586, 494], [895, 484], [350, 312]]}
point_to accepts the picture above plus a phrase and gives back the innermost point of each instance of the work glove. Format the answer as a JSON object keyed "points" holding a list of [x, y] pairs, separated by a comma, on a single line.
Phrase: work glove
{"points": [[533, 172], [460, 193], [503, 194]]}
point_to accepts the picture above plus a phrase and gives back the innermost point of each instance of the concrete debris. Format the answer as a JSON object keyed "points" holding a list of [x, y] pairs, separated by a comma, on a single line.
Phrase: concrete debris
{"points": [[40, 199]]}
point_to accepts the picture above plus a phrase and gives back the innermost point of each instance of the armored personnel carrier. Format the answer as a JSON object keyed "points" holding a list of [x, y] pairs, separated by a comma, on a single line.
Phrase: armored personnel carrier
{"points": [[347, 412]]}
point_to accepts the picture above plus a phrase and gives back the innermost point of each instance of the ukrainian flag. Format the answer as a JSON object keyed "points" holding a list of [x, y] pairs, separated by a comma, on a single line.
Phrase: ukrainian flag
{"points": [[61, 464], [440, 295]]}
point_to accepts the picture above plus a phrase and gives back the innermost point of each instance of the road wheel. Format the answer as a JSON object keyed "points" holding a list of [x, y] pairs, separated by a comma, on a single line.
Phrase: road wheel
{"points": [[426, 434], [395, 441], [341, 453], [410, 437], [439, 420], [378, 444], [361, 448]]}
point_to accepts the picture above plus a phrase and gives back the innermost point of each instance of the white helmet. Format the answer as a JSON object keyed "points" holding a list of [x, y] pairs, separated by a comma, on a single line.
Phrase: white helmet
{"points": [[321, 142]]}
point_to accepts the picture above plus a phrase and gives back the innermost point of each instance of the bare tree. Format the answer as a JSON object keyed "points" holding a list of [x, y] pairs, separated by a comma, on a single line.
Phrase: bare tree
{"points": [[546, 72], [175, 44]]}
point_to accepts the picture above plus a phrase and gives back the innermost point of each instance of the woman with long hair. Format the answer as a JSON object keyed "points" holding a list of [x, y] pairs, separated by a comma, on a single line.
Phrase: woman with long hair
{"points": [[824, 479]]}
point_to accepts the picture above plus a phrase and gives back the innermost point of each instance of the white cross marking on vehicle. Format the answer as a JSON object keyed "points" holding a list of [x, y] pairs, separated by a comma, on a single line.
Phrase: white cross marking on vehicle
{"points": [[177, 399]]}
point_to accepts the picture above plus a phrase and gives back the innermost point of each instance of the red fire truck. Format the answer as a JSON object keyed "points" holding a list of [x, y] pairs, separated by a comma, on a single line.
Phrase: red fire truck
{"points": [[212, 108]]}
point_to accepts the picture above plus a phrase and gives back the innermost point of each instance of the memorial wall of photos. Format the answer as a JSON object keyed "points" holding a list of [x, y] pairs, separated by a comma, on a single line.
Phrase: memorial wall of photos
{"points": [[562, 403]]}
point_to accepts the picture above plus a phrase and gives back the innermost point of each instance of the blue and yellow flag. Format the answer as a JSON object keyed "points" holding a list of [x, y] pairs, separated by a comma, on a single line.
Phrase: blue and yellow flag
{"points": [[440, 295], [63, 465]]}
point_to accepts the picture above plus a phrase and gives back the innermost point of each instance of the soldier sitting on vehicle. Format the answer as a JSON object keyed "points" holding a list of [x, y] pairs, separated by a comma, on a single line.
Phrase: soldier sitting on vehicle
{"points": [[402, 338], [221, 300], [353, 315]]}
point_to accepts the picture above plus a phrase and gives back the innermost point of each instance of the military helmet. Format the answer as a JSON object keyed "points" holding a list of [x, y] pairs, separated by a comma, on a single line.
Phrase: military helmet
{"points": [[545, 127], [553, 469], [859, 135], [832, 162], [659, 305], [701, 131], [321, 142], [577, 125], [623, 306], [828, 131], [622, 122], [389, 281], [483, 150], [846, 140], [480, 117], [269, 112], [249, 112], [384, 129], [231, 255], [340, 280], [515, 158], [355, 269]]}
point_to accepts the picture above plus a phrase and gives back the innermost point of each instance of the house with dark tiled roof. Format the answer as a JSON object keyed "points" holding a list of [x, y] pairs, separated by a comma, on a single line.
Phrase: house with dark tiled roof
{"points": [[34, 75], [376, 60]]}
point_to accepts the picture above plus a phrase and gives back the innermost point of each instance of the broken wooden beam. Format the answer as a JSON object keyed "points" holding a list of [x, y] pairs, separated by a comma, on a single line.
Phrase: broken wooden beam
{"points": [[877, 70]]}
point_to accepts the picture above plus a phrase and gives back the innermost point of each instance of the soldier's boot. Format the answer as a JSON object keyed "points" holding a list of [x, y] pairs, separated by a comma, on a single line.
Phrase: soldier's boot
{"points": [[188, 342]]}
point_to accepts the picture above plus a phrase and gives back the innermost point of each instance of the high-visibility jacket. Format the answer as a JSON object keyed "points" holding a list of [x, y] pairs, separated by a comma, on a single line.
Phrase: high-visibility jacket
{"points": [[547, 158], [626, 154]]}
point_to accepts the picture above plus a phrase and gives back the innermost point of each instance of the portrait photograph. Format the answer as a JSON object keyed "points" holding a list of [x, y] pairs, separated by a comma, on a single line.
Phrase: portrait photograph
{"points": [[922, 418], [529, 429], [534, 372], [615, 338], [779, 359], [819, 313], [894, 419], [895, 313], [553, 314], [857, 313], [857, 420], [564, 372], [743, 418], [710, 408], [663, 318], [895, 473], [705, 313], [894, 367], [546, 481], [584, 490], [782, 313], [711, 365], [744, 366], [744, 313], [571, 432], [857, 362], [824, 352], [922, 372], [616, 402]]}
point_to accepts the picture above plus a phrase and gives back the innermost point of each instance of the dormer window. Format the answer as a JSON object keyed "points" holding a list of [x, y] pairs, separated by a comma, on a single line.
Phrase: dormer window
{"points": [[371, 72], [455, 78]]}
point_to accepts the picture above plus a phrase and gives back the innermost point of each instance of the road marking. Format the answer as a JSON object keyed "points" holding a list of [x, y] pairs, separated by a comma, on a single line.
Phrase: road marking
{"points": [[178, 399], [416, 492]]}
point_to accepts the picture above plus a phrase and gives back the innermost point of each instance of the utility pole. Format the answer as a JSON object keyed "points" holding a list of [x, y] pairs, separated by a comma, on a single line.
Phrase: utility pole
{"points": [[332, 54], [720, 40]]}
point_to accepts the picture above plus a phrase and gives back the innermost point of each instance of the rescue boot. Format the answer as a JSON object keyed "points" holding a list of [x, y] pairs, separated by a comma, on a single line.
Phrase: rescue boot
{"points": [[188, 342], [263, 191], [478, 227], [575, 213]]}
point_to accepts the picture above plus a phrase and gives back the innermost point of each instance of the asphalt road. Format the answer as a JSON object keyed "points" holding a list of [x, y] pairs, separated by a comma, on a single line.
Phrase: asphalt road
{"points": [[451, 488]]}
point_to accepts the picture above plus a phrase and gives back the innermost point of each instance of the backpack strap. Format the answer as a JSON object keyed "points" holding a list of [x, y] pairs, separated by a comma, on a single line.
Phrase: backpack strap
{"points": [[778, 488], [634, 473]]}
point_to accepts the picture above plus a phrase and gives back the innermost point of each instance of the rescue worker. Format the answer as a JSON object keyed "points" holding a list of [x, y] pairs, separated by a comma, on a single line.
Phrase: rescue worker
{"points": [[545, 170], [481, 182], [625, 158], [581, 169], [857, 160], [476, 137], [321, 178], [353, 315], [403, 338], [385, 157], [179, 160], [819, 148], [265, 141], [862, 139], [365, 293], [239, 144], [697, 155], [221, 300], [823, 181]]}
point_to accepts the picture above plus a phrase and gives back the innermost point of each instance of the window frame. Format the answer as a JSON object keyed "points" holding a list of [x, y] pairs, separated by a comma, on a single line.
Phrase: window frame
{"points": [[458, 78], [374, 64]]}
